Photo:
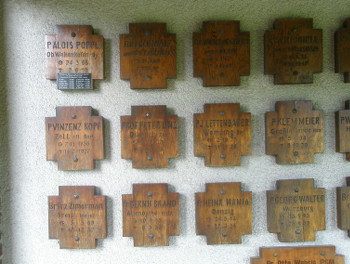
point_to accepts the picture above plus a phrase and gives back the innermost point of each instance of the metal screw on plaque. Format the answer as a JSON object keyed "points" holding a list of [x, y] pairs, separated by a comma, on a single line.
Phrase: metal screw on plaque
{"points": [[150, 236], [147, 33], [149, 158], [224, 234], [223, 192], [76, 239], [221, 31], [76, 196], [148, 114], [74, 116], [275, 255], [222, 113], [148, 77], [73, 34], [75, 159], [296, 153], [294, 110], [149, 194], [297, 232], [296, 189], [322, 253], [223, 156]]}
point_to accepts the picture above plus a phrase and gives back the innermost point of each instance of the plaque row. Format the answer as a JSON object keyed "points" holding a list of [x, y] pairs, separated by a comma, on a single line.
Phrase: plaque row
{"points": [[222, 134], [295, 211], [221, 54]]}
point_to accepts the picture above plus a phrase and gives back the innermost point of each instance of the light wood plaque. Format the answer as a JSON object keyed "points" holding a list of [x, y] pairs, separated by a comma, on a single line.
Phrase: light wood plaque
{"points": [[342, 131]]}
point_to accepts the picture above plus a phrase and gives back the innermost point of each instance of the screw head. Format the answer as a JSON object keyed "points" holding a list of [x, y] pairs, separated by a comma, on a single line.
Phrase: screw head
{"points": [[224, 234], [73, 34], [223, 192], [294, 110], [76, 239], [74, 116], [296, 189], [148, 114], [222, 113], [296, 153], [147, 34], [223, 156], [221, 31], [149, 157], [151, 236], [275, 255], [149, 194], [297, 231], [75, 159], [323, 253], [76, 196]]}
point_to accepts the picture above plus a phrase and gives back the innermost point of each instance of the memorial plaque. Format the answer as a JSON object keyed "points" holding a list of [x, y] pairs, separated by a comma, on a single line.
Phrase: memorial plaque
{"points": [[294, 132], [222, 134], [149, 136], [343, 206], [150, 215], [299, 255], [74, 138], [293, 51], [342, 51], [223, 213], [296, 210], [221, 53], [0, 233], [74, 57], [147, 55], [342, 131], [77, 217]]}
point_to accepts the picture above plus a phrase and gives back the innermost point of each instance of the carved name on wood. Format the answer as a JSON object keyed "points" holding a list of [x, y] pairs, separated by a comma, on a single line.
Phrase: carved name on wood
{"points": [[343, 206], [342, 131]]}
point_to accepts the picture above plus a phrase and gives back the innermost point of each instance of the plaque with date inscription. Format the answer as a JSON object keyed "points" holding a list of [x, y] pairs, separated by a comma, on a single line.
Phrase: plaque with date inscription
{"points": [[293, 51], [223, 213], [342, 131], [147, 55], [74, 138], [342, 51], [299, 255], [150, 215], [343, 206], [294, 132], [222, 134], [74, 57], [221, 53], [77, 217], [149, 136], [296, 210]]}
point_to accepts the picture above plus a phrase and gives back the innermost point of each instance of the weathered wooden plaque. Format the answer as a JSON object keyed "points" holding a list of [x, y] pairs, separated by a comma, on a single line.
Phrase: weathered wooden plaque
{"points": [[74, 138], [301, 255], [342, 51], [294, 132], [77, 217], [221, 53], [74, 57], [343, 206], [147, 55], [222, 134], [150, 215], [296, 210], [293, 51], [342, 131], [149, 136], [223, 213]]}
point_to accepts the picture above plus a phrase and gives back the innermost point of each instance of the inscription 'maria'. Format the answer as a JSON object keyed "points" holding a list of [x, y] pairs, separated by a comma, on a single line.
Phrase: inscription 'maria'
{"points": [[342, 131], [343, 206], [342, 51]]}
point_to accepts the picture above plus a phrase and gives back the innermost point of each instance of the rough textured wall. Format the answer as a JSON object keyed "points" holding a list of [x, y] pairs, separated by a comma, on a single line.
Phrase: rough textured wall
{"points": [[31, 98]]}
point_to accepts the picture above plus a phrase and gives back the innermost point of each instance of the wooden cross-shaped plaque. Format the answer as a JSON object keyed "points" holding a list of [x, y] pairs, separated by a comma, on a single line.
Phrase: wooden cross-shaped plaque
{"points": [[222, 134], [294, 132], [147, 55], [296, 210], [343, 206], [301, 255], [150, 215], [77, 217], [149, 136], [221, 53], [342, 51], [74, 56], [342, 130], [74, 138], [223, 213], [293, 51]]}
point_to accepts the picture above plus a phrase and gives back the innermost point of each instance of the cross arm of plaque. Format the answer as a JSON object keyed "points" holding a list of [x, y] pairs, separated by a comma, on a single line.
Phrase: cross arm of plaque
{"points": [[343, 206], [342, 51]]}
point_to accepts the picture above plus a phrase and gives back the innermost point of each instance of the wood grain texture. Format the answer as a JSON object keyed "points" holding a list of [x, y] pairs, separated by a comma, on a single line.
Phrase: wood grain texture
{"points": [[343, 206], [147, 55], [294, 133], [150, 215], [296, 210], [74, 138], [149, 136], [342, 50], [223, 213], [342, 131], [77, 217], [290, 255], [222, 134], [293, 51], [221, 53]]}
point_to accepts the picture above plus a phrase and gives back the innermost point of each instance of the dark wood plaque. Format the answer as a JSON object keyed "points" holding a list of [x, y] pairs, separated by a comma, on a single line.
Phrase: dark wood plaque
{"points": [[147, 55], [296, 210], [149, 136], [77, 217], [74, 138], [301, 255], [150, 215], [343, 206], [74, 56], [342, 131], [294, 132], [222, 134], [342, 51], [221, 53], [293, 51], [223, 213]]}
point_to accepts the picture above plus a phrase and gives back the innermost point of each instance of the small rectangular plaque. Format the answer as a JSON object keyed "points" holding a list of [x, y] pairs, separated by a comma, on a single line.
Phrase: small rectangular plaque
{"points": [[343, 206], [296, 210], [342, 51], [223, 213], [294, 132], [342, 131], [77, 217], [74, 81], [150, 215]]}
